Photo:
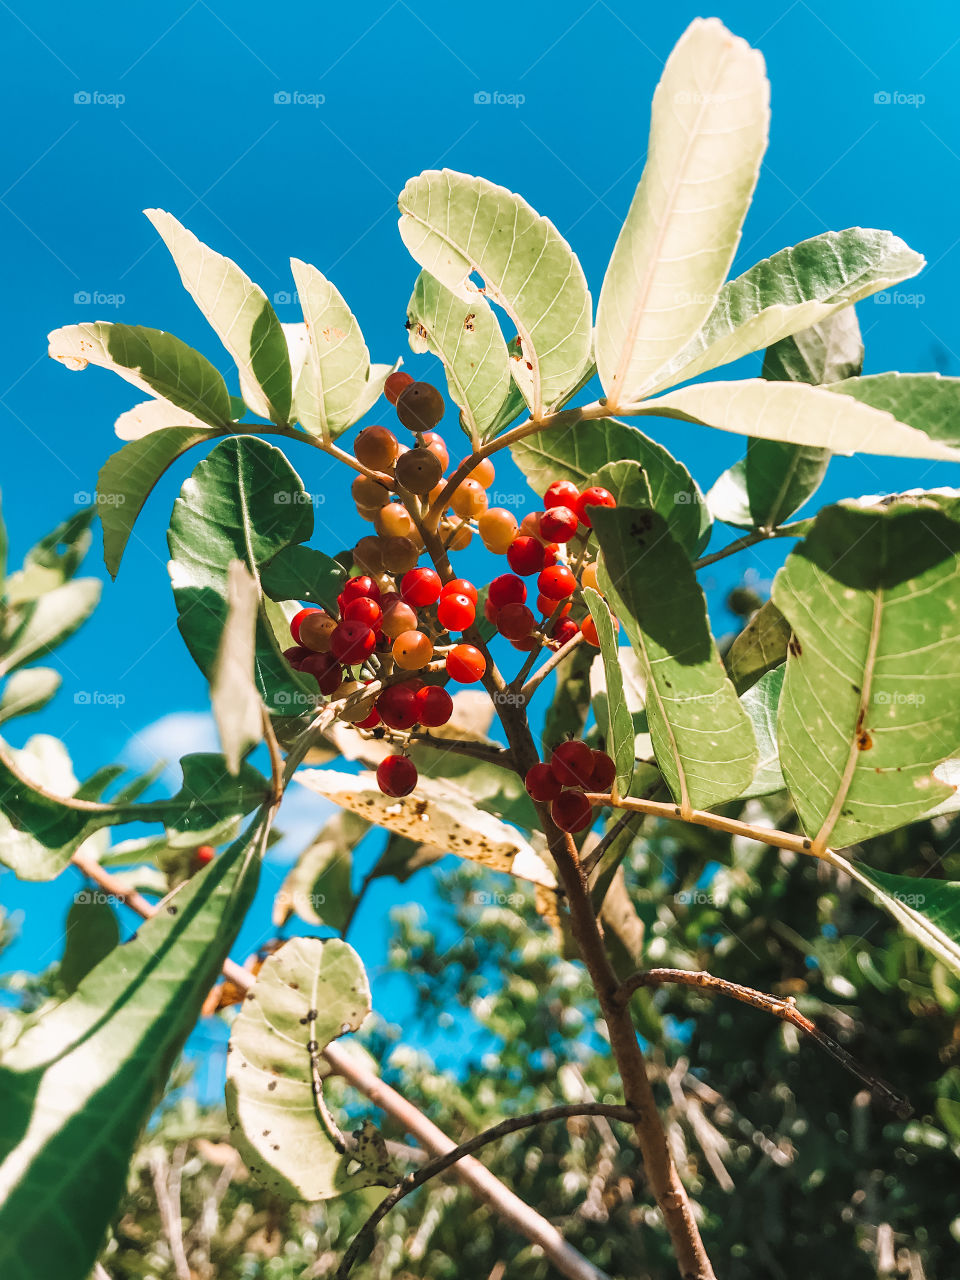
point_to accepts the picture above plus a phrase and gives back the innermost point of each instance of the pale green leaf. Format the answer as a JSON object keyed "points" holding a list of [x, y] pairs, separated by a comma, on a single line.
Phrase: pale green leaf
{"points": [[454, 225], [152, 361], [303, 573], [926, 401], [760, 646], [49, 620], [702, 739], [619, 721], [761, 702], [27, 691], [464, 333], [337, 361], [871, 696], [233, 695], [240, 315], [317, 888], [373, 388], [708, 133], [153, 415]]}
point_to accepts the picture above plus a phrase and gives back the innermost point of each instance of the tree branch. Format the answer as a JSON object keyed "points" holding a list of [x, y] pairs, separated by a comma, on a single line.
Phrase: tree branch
{"points": [[551, 664], [750, 540], [414, 1180], [784, 1008], [489, 753]]}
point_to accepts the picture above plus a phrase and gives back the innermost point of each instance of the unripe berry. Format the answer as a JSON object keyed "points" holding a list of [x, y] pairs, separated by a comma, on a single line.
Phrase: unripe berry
{"points": [[507, 589], [362, 609], [557, 582], [572, 762], [460, 586], [437, 446], [369, 495], [589, 629], [399, 554], [593, 497], [559, 524], [325, 669], [542, 783], [465, 664], [562, 493], [525, 555], [469, 500], [483, 473], [412, 650], [368, 555], [396, 776], [316, 630], [455, 611], [588, 577], [360, 587], [571, 811], [352, 642], [418, 470], [420, 406], [434, 706], [394, 521], [515, 621], [490, 611], [604, 772], [420, 587], [460, 539], [395, 384], [397, 618], [397, 705], [296, 621], [497, 528], [376, 448]]}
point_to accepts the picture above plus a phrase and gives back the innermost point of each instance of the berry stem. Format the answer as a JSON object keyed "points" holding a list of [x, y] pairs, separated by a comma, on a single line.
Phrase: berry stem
{"points": [[550, 665]]}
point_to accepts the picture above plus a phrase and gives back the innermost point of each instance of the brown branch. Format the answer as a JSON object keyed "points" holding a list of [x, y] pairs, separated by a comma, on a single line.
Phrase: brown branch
{"points": [[527, 690], [488, 752], [750, 540], [782, 1007], [414, 1180]]}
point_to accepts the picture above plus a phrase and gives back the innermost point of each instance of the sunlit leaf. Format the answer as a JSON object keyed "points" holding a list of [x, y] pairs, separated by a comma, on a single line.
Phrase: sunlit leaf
{"points": [[337, 361], [233, 695], [760, 646], [317, 888], [27, 691], [619, 721]]}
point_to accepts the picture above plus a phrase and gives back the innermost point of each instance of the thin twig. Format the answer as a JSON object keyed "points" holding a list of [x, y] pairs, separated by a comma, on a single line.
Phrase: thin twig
{"points": [[782, 1007], [550, 665], [489, 753], [414, 1180], [750, 540]]}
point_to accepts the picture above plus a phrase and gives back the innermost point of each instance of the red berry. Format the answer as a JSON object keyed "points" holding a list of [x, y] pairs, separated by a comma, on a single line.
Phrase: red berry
{"points": [[297, 619], [204, 854], [528, 644], [589, 629], [604, 772], [564, 629], [558, 524], [394, 384], [434, 706], [542, 783], [369, 722], [562, 493], [362, 586], [460, 586], [507, 589], [397, 705], [456, 612], [363, 609], [325, 669], [396, 776], [420, 587], [490, 611], [525, 555], [465, 664], [296, 654], [557, 582], [515, 621], [593, 497], [352, 642], [571, 811], [551, 554], [550, 608], [572, 762]]}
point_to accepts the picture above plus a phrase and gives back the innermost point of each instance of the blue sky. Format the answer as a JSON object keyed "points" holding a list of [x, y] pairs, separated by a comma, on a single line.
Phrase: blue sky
{"points": [[289, 131]]}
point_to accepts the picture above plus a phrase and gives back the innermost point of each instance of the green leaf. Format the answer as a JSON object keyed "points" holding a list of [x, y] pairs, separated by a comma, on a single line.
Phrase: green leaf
{"points": [[579, 453], [628, 483], [708, 133], [53, 560], [303, 573], [91, 933], [794, 290], [454, 224], [233, 695], [46, 622], [513, 403], [44, 827], [702, 739], [775, 479], [760, 646], [309, 992], [152, 361], [28, 691], [618, 729], [827, 417], [761, 702], [156, 415], [466, 337], [79, 1084], [871, 696], [239, 313], [926, 401], [317, 888], [243, 502], [373, 388], [127, 478], [337, 362], [566, 716]]}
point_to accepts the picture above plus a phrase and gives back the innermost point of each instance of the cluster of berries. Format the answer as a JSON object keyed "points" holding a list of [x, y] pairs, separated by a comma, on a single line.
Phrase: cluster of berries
{"points": [[573, 769], [396, 617]]}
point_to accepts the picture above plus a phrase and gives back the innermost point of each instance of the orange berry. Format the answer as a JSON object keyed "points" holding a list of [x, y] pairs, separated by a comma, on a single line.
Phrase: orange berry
{"points": [[394, 521], [497, 528], [412, 650], [469, 500], [483, 473], [376, 448]]}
